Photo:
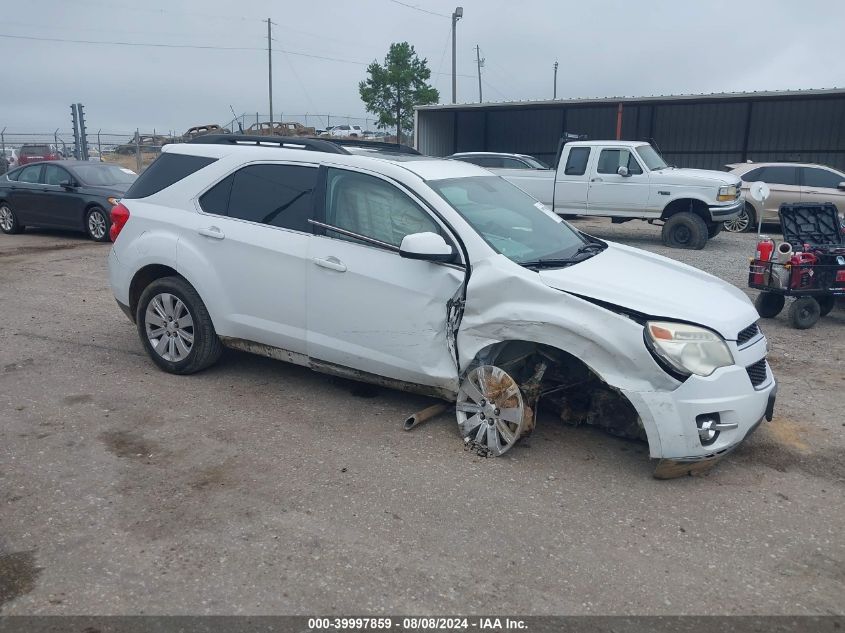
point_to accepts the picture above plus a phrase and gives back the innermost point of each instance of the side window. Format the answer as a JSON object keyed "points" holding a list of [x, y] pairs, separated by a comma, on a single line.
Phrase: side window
{"points": [[216, 199], [610, 160], [372, 207], [54, 175], [813, 177], [752, 176], [779, 175], [278, 195], [167, 169], [30, 174], [512, 163], [576, 162]]}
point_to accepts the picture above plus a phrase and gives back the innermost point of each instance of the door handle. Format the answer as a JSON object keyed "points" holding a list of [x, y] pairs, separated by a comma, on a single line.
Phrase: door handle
{"points": [[596, 180], [332, 263], [212, 232]]}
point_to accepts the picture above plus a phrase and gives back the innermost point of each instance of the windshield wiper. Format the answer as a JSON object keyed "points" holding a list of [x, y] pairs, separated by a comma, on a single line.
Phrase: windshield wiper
{"points": [[585, 251]]}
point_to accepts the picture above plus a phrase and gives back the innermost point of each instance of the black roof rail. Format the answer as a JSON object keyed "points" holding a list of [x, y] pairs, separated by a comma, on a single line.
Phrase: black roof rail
{"points": [[376, 145], [289, 142]]}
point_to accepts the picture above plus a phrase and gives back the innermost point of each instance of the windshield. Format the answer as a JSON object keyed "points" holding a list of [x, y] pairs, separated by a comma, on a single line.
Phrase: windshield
{"points": [[105, 175], [651, 158], [509, 220]]}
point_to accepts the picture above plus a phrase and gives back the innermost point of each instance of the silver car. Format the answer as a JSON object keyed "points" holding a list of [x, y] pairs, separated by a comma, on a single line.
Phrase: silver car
{"points": [[788, 182]]}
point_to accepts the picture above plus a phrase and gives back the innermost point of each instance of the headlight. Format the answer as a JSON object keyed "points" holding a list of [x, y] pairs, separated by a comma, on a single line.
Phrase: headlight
{"points": [[688, 349], [114, 201], [726, 194]]}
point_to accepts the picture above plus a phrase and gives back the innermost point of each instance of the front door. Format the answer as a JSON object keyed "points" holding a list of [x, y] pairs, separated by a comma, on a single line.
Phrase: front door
{"points": [[612, 194], [60, 207], [368, 308], [248, 247], [822, 185]]}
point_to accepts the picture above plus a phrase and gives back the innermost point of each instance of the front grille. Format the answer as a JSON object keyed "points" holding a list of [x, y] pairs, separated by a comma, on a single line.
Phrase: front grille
{"points": [[747, 334], [757, 372]]}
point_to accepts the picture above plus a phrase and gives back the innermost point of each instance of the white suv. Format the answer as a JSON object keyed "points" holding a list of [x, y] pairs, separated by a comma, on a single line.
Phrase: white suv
{"points": [[433, 276]]}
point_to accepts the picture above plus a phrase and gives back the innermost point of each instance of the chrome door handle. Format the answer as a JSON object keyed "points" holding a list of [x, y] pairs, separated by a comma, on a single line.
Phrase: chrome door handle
{"points": [[332, 263], [212, 232]]}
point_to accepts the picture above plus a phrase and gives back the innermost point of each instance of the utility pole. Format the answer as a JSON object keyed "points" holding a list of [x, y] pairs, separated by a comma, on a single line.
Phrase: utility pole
{"points": [[480, 63], [555, 92], [270, 66], [456, 15]]}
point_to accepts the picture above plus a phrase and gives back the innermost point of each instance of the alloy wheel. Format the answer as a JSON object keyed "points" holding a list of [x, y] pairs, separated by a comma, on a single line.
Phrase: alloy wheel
{"points": [[169, 327], [7, 221], [490, 410], [97, 224], [739, 223]]}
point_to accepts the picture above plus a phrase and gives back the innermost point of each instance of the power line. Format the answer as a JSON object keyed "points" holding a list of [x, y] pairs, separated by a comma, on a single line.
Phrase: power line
{"points": [[415, 8]]}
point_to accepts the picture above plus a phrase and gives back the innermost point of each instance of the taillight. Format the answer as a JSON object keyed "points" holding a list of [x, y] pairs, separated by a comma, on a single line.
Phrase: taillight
{"points": [[119, 218]]}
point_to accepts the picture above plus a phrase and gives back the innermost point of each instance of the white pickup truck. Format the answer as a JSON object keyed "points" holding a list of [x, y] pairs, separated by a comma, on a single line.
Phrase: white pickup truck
{"points": [[627, 180]]}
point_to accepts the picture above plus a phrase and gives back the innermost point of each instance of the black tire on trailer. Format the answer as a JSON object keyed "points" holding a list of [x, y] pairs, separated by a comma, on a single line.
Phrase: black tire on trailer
{"points": [[769, 304], [804, 313], [175, 327], [685, 230], [826, 304], [714, 228]]}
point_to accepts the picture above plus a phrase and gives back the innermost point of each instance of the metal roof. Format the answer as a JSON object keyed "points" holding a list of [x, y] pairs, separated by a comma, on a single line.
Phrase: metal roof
{"points": [[715, 96]]}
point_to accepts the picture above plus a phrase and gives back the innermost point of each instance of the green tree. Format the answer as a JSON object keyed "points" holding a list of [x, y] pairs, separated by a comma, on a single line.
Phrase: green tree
{"points": [[391, 91]]}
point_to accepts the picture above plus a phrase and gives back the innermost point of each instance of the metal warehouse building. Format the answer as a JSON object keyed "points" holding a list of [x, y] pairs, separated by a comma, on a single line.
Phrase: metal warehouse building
{"points": [[706, 131]]}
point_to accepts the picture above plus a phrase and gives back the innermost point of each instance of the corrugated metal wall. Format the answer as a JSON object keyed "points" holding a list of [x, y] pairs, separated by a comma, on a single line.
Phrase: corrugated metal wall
{"points": [[707, 134]]}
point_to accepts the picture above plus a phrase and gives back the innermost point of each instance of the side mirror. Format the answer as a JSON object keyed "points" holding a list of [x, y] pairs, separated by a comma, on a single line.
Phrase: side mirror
{"points": [[841, 186], [429, 247], [623, 171]]}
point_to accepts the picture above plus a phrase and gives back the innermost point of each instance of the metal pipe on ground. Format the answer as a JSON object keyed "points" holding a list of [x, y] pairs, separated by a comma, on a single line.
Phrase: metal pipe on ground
{"points": [[425, 415]]}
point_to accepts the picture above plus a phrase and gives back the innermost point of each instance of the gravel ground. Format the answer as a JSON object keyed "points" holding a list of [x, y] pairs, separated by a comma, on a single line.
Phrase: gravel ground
{"points": [[259, 487]]}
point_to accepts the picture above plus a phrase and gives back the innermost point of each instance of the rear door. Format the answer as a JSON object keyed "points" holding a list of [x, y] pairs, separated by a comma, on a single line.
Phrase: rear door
{"points": [[822, 185], [368, 308], [24, 196], [253, 232], [60, 207], [612, 194], [573, 181], [784, 188]]}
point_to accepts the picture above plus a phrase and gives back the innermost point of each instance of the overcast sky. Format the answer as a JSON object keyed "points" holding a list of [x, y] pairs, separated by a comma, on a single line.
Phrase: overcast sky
{"points": [[605, 48]]}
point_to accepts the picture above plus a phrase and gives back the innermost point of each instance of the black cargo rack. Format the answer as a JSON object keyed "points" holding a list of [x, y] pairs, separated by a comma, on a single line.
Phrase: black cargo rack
{"points": [[312, 144], [331, 146]]}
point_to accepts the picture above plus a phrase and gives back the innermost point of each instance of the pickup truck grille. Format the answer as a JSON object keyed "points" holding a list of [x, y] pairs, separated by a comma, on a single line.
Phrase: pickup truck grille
{"points": [[757, 372], [747, 334]]}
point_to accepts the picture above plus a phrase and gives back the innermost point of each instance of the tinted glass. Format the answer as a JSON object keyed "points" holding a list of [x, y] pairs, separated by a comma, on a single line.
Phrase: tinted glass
{"points": [[167, 169], [13, 175], [278, 195], [372, 207], [30, 174], [105, 175], [821, 178], [216, 199], [35, 150], [752, 176], [513, 163], [55, 175], [778, 175], [576, 162], [508, 219], [611, 160]]}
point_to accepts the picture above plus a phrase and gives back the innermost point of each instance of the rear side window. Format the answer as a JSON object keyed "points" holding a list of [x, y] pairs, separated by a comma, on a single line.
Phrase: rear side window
{"points": [[30, 174], [166, 170], [278, 195], [752, 176], [576, 162], [779, 175]]}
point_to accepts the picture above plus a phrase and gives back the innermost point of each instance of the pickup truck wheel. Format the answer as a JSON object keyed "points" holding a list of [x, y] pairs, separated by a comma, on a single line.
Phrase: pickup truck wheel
{"points": [[175, 327], [804, 312], [490, 410], [713, 229], [769, 304], [685, 230], [742, 223]]}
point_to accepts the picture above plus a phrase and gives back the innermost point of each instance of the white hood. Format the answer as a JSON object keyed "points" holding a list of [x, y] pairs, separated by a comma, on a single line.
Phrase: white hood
{"points": [[656, 286], [700, 177]]}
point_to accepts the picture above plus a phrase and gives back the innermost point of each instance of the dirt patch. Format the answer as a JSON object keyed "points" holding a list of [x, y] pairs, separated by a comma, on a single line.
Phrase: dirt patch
{"points": [[128, 444], [787, 433], [18, 574], [24, 250], [81, 398], [21, 364], [212, 477]]}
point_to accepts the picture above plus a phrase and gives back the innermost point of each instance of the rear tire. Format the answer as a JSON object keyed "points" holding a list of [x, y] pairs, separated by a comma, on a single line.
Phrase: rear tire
{"points": [[804, 313], [97, 224], [769, 304], [826, 304], [8, 220], [175, 327], [685, 230]]}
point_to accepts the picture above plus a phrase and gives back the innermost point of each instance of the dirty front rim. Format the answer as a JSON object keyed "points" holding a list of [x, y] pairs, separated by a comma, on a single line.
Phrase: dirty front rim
{"points": [[97, 224], [170, 327], [6, 219], [490, 410], [739, 223]]}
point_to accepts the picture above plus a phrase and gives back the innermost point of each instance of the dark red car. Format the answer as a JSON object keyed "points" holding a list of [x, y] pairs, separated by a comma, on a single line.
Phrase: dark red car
{"points": [[35, 152]]}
